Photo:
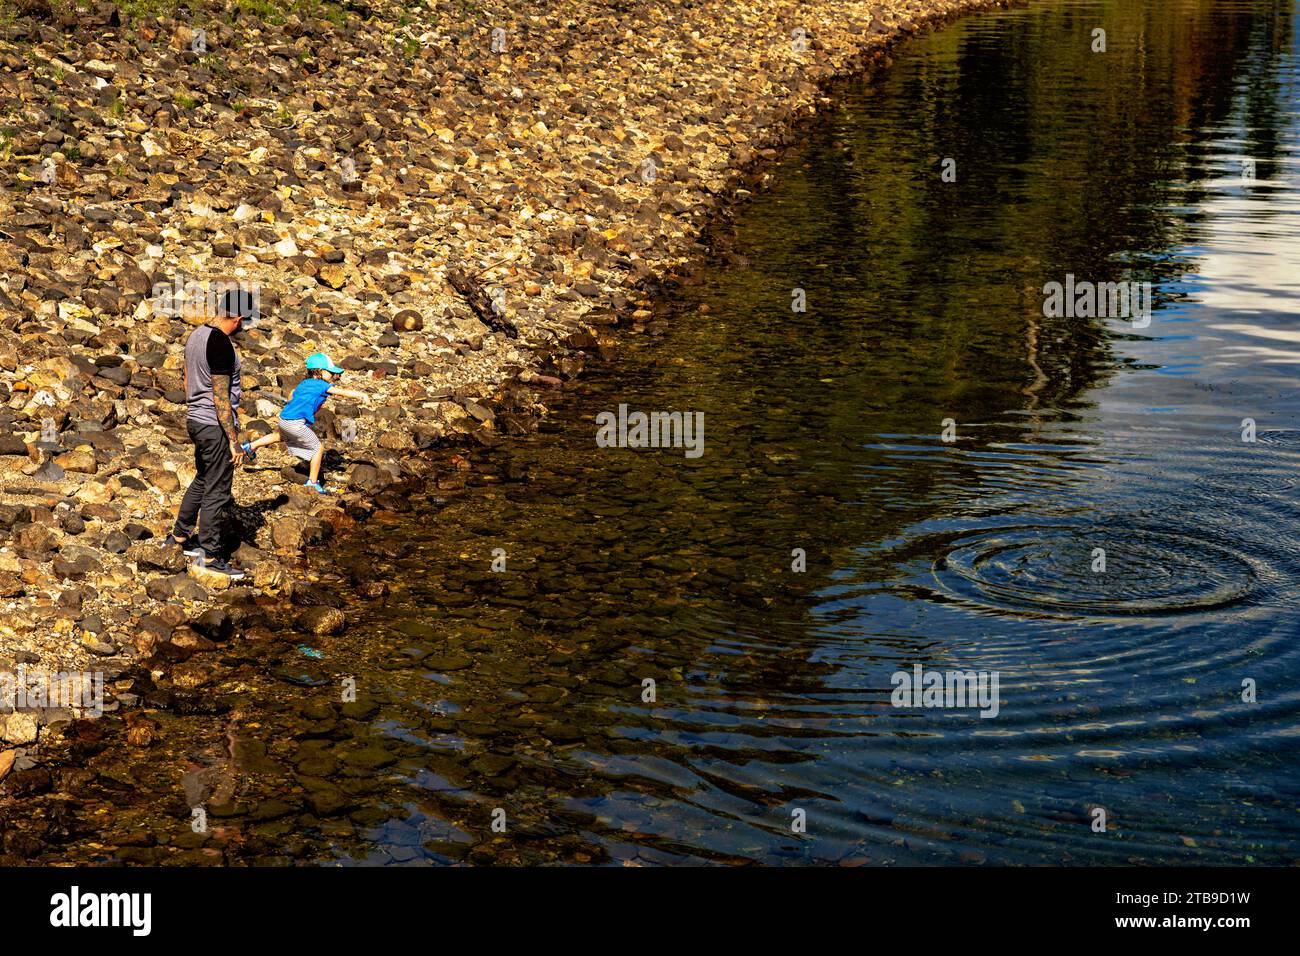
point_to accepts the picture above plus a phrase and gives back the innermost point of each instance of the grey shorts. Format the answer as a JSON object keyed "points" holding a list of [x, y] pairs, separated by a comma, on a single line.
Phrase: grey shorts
{"points": [[299, 438]]}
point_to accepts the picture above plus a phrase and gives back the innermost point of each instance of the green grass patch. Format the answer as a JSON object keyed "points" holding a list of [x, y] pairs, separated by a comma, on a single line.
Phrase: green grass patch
{"points": [[277, 11], [408, 46], [134, 11], [131, 10], [280, 119]]}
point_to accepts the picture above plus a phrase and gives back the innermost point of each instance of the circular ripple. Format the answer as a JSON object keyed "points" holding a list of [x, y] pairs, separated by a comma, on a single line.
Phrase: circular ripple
{"points": [[1289, 437], [1050, 570], [1248, 484]]}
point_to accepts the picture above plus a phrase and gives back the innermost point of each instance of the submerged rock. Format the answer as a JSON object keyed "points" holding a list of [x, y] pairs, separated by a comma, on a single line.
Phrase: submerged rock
{"points": [[322, 621]]}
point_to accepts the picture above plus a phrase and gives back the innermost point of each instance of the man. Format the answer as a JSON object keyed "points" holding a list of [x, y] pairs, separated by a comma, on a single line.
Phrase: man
{"points": [[212, 389]]}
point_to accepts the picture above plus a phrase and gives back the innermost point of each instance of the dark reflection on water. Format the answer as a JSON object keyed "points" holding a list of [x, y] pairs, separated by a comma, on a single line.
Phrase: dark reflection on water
{"points": [[1120, 689]]}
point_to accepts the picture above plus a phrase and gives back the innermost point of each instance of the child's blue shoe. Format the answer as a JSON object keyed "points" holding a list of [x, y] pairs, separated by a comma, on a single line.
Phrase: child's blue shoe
{"points": [[315, 486]]}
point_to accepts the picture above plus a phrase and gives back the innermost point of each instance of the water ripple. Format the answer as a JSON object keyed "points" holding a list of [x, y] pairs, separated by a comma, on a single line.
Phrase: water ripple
{"points": [[1096, 571]]}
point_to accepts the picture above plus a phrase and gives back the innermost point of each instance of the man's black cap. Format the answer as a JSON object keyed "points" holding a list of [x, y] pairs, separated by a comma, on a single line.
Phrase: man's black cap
{"points": [[239, 302]]}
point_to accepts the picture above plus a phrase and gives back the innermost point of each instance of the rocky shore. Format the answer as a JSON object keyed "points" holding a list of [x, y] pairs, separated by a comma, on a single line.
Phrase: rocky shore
{"points": [[457, 201]]}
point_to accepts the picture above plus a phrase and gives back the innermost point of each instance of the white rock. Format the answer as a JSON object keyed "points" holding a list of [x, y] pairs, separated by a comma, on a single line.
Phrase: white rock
{"points": [[19, 728], [69, 311]]}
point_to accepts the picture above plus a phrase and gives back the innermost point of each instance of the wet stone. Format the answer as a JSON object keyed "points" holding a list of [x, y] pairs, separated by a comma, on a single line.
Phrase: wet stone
{"points": [[323, 621], [447, 663], [360, 709], [492, 765], [369, 758]]}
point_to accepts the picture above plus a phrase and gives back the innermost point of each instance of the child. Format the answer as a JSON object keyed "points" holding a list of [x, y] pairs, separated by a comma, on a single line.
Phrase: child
{"points": [[299, 415]]}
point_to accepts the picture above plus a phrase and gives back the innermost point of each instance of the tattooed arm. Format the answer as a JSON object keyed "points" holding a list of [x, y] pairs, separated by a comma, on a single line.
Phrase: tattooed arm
{"points": [[225, 415]]}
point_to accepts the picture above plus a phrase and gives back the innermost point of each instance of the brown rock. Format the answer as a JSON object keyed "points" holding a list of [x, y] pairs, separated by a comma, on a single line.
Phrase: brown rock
{"points": [[287, 532], [209, 579], [134, 282], [75, 567], [323, 621], [187, 638], [80, 460], [302, 500], [141, 731], [193, 674], [157, 557], [268, 575], [367, 479], [164, 481], [95, 493], [396, 439], [408, 320], [35, 539], [333, 275]]}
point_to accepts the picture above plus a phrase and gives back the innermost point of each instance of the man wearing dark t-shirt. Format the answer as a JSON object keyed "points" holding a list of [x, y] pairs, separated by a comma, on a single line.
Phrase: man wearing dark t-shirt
{"points": [[212, 391]]}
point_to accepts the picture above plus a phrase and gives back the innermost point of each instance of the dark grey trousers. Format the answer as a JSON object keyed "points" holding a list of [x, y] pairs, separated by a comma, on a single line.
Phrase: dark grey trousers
{"points": [[208, 499]]}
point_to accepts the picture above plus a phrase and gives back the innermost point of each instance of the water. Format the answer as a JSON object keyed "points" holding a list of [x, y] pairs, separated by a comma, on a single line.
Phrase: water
{"points": [[519, 696]]}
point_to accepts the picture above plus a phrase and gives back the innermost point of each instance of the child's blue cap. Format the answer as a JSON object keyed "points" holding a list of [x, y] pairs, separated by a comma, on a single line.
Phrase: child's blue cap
{"points": [[321, 360]]}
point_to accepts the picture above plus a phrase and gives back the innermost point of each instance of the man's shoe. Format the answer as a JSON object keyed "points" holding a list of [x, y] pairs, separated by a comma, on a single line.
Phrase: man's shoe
{"points": [[222, 567], [189, 547]]}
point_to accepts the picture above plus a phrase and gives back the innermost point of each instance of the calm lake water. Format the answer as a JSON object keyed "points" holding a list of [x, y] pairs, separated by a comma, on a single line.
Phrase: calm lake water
{"points": [[1119, 688]]}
